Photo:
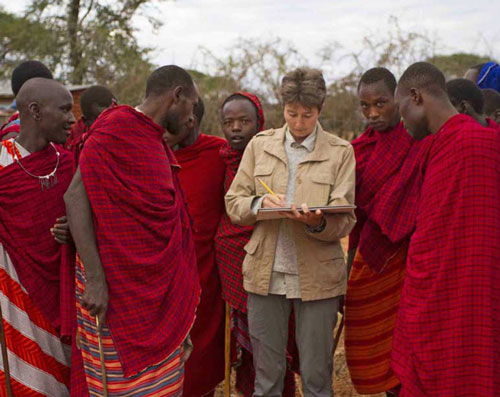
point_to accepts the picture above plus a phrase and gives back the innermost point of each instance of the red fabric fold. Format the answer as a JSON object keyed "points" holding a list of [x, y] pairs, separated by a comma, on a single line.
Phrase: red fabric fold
{"points": [[447, 337], [201, 177], [379, 155], [26, 216], [143, 235], [76, 139]]}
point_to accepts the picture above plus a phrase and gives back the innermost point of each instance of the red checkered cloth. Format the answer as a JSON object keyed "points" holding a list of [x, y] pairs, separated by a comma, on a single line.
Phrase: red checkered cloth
{"points": [[230, 240], [143, 234], [379, 155], [12, 125], [447, 337], [26, 216]]}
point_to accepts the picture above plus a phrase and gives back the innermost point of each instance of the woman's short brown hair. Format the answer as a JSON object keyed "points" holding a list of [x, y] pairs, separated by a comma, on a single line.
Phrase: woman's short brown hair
{"points": [[304, 86]]}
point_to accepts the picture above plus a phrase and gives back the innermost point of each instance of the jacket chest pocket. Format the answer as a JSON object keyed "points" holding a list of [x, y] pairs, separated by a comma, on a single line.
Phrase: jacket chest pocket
{"points": [[319, 189], [264, 173]]}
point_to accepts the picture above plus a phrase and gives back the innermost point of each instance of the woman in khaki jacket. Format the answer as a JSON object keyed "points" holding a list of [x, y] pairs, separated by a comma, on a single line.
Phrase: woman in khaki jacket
{"points": [[295, 261]]}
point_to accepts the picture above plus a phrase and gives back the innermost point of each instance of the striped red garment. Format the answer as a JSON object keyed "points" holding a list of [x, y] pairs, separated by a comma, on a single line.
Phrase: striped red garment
{"points": [[379, 155], [26, 216], [143, 234], [230, 240], [447, 337], [11, 126]]}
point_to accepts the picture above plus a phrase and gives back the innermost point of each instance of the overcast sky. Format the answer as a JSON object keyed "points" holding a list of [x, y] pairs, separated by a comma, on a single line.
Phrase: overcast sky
{"points": [[458, 25]]}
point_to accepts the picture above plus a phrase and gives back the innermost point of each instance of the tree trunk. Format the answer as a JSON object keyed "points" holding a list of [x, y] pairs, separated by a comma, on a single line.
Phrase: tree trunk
{"points": [[75, 50]]}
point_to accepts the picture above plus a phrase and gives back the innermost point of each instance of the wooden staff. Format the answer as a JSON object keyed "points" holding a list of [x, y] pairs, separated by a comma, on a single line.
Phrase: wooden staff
{"points": [[103, 363], [338, 334], [5, 357], [227, 353]]}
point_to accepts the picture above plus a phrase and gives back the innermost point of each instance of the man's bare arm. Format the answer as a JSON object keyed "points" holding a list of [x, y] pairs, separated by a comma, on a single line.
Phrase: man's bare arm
{"points": [[95, 297]]}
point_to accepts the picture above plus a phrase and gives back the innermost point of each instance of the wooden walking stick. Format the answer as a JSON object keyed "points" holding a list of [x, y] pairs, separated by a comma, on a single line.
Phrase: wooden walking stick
{"points": [[5, 357], [227, 353], [103, 363], [338, 334]]}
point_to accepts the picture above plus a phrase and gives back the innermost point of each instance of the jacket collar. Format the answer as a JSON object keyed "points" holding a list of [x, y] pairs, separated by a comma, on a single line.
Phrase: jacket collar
{"points": [[321, 148]]}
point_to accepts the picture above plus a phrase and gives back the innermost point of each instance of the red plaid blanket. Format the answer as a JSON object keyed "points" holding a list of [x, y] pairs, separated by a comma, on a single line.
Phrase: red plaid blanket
{"points": [[379, 155], [26, 216], [230, 240], [143, 235], [447, 337]]}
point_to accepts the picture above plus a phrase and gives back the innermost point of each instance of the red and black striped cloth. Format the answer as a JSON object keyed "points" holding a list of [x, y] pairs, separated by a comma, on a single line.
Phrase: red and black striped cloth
{"points": [[447, 336], [143, 234]]}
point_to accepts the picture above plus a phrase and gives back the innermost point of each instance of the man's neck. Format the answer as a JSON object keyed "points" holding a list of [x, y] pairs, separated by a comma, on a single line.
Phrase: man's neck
{"points": [[190, 140], [440, 114], [153, 108], [32, 142]]}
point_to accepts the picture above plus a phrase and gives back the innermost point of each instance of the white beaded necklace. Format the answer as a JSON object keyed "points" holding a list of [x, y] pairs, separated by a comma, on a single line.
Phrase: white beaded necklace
{"points": [[46, 181]]}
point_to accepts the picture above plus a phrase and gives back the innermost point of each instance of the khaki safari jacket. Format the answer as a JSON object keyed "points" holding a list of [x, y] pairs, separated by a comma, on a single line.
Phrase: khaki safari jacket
{"points": [[325, 177]]}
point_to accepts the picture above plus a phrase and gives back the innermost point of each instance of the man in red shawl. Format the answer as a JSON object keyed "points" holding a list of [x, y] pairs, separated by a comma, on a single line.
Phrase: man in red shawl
{"points": [[202, 179], [447, 336], [492, 104], [35, 171], [93, 102], [131, 227], [374, 288], [20, 75], [242, 117], [468, 99]]}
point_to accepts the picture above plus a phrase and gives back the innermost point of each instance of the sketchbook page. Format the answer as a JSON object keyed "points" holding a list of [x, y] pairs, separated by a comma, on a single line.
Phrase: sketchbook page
{"points": [[277, 213]]}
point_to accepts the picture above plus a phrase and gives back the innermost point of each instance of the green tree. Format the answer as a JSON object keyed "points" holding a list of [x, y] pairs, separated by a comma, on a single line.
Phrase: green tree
{"points": [[21, 38], [455, 65], [86, 41]]}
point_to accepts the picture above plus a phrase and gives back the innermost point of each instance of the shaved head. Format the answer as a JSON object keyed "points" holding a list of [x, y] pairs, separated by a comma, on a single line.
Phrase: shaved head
{"points": [[45, 110], [422, 99], [425, 77], [39, 90]]}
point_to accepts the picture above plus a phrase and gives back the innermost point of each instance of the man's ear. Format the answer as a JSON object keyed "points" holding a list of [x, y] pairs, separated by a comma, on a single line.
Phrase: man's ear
{"points": [[178, 91], [416, 96], [35, 112]]}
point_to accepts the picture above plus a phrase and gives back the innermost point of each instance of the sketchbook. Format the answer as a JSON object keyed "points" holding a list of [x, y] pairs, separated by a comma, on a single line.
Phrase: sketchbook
{"points": [[265, 214]]}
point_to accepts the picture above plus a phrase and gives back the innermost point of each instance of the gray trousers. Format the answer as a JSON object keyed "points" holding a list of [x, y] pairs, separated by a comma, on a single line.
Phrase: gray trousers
{"points": [[314, 324]]}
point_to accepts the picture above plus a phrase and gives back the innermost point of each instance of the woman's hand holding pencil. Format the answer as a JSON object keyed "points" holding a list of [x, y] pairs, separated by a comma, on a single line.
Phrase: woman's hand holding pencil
{"points": [[272, 200]]}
